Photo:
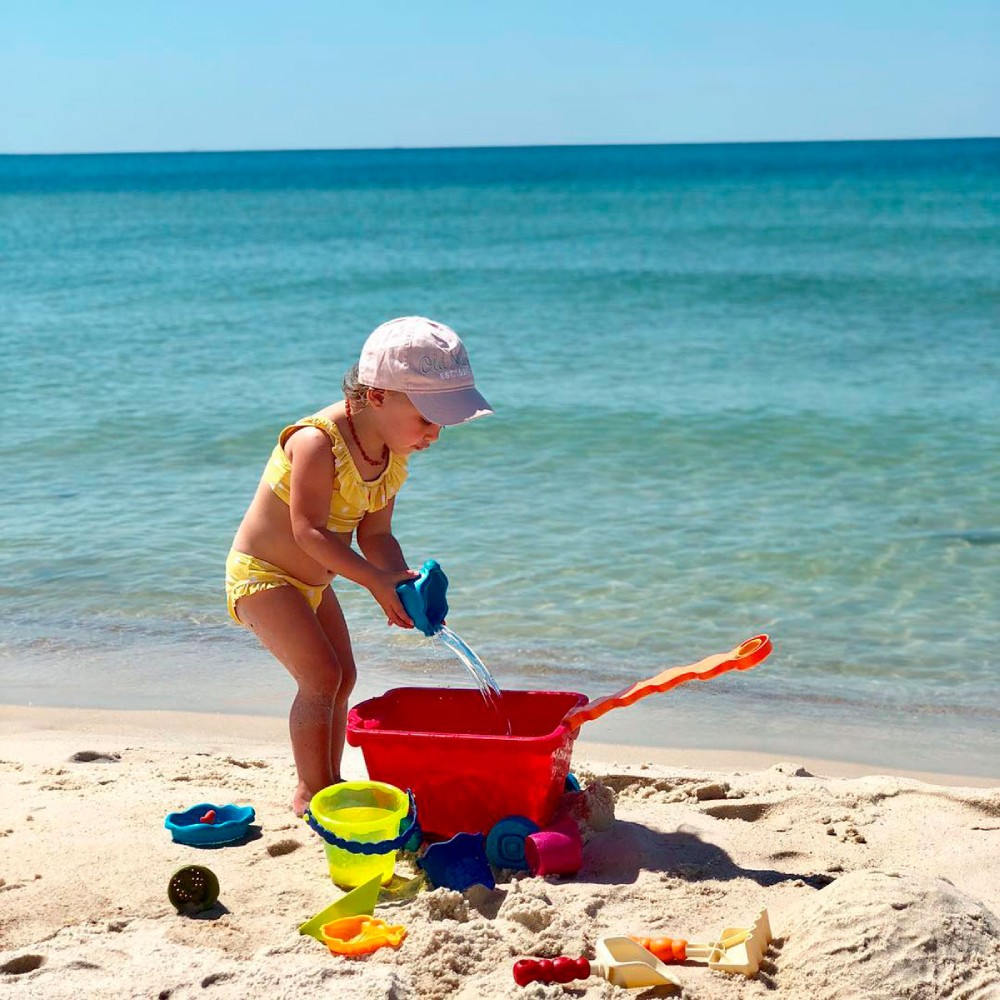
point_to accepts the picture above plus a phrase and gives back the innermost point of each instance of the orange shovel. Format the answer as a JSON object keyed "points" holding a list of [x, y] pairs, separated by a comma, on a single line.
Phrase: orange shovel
{"points": [[746, 655], [737, 949]]}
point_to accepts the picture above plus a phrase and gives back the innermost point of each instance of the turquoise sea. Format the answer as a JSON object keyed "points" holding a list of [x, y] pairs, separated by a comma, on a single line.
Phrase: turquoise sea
{"points": [[738, 388]]}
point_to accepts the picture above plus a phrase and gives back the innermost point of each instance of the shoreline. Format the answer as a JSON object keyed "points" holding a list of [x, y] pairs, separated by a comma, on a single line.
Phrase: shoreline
{"points": [[885, 729], [177, 728]]}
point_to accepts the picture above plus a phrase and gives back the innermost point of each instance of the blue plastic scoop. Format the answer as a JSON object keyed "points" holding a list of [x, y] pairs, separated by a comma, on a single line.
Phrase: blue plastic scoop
{"points": [[424, 598]]}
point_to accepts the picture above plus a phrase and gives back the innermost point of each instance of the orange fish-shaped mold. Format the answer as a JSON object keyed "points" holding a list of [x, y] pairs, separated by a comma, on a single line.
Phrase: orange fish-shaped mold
{"points": [[361, 935]]}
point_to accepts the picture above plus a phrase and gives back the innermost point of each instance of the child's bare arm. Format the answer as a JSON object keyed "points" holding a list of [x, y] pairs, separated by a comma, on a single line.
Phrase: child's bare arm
{"points": [[377, 542], [311, 489]]}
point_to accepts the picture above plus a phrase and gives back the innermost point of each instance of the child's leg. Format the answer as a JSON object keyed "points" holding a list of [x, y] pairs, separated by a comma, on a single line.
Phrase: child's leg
{"points": [[331, 618], [283, 621]]}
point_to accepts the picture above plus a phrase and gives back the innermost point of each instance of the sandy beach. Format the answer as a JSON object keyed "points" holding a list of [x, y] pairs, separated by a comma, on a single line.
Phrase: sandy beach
{"points": [[876, 885]]}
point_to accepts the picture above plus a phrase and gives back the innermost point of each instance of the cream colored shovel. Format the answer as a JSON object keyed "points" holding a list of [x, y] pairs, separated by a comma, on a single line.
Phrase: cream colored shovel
{"points": [[737, 949], [619, 960]]}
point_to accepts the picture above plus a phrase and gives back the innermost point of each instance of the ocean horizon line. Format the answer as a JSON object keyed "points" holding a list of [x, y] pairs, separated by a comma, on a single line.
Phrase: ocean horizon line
{"points": [[504, 146]]}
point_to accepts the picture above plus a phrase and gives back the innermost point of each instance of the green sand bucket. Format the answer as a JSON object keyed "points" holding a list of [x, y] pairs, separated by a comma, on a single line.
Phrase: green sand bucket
{"points": [[363, 824]]}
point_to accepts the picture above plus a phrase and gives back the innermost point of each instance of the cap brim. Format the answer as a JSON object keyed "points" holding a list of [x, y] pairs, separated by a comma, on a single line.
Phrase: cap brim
{"points": [[456, 406]]}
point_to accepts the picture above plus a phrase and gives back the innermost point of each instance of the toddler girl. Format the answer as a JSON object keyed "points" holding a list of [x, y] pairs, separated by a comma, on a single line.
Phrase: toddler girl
{"points": [[331, 477]]}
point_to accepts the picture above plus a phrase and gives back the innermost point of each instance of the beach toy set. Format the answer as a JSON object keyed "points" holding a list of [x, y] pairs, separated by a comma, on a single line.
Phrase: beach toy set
{"points": [[358, 822], [556, 850], [348, 926], [194, 889], [490, 795], [619, 960], [494, 768], [361, 935], [519, 844], [357, 902], [364, 824], [472, 761], [515, 843], [458, 863], [424, 598], [488, 777], [737, 949], [208, 825], [450, 747], [637, 962]]}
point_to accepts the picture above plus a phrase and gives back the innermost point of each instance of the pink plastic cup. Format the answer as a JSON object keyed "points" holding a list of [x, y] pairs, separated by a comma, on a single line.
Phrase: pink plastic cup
{"points": [[557, 850]]}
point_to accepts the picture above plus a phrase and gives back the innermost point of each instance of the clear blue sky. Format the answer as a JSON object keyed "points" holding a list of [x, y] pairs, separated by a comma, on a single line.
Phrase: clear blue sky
{"points": [[285, 74]]}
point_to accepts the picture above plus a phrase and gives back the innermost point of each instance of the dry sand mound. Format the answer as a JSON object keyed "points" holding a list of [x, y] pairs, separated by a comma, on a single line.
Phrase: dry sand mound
{"points": [[894, 936]]}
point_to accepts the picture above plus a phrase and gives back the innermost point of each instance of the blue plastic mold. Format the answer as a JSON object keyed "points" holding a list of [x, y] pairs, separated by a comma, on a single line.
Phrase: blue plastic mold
{"points": [[458, 863], [505, 842], [231, 823], [424, 597]]}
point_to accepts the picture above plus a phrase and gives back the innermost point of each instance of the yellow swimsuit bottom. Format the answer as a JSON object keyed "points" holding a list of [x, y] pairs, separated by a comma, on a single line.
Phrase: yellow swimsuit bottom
{"points": [[249, 575]]}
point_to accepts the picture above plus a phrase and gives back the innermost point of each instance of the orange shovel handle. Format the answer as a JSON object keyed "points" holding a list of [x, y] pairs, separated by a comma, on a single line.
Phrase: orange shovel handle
{"points": [[746, 655]]}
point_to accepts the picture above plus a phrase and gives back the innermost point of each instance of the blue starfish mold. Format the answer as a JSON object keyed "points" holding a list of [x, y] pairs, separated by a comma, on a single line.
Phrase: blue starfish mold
{"points": [[458, 863]]}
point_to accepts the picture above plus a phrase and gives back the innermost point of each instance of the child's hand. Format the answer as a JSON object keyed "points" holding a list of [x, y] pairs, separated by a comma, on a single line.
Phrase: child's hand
{"points": [[384, 591]]}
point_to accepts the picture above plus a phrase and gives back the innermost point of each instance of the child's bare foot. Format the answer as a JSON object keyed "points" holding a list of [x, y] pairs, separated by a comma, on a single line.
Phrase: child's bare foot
{"points": [[301, 799]]}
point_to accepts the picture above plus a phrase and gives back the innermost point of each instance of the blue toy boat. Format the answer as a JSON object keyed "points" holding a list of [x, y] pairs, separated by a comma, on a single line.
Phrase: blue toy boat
{"points": [[230, 823]]}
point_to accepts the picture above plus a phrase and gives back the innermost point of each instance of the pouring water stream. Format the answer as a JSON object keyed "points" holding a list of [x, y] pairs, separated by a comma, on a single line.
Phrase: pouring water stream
{"points": [[488, 687], [424, 599]]}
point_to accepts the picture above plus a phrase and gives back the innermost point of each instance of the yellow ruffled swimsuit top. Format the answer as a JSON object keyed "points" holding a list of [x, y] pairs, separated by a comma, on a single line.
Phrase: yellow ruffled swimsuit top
{"points": [[352, 497]]}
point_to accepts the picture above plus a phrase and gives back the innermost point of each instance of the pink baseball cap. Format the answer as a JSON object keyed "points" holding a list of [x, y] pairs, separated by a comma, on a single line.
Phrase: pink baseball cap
{"points": [[428, 362]]}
